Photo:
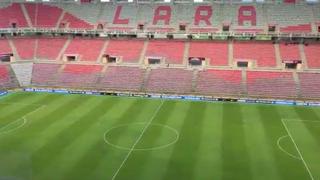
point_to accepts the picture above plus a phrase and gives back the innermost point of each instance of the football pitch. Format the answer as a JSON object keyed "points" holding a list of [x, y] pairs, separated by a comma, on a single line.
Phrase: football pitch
{"points": [[81, 137]]}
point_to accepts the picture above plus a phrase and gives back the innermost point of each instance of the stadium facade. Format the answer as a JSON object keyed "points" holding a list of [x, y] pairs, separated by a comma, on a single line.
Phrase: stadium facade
{"points": [[211, 49]]}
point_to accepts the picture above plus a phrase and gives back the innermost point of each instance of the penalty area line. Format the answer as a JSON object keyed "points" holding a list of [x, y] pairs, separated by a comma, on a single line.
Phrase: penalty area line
{"points": [[137, 141], [298, 150], [24, 118]]}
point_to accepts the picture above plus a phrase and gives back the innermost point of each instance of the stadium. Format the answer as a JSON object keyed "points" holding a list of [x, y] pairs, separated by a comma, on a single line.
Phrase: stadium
{"points": [[159, 90]]}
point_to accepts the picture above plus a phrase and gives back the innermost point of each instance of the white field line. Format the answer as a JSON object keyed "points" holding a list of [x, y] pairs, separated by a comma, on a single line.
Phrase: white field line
{"points": [[24, 120], [137, 141], [298, 120], [142, 149], [10, 130], [283, 150], [300, 154]]}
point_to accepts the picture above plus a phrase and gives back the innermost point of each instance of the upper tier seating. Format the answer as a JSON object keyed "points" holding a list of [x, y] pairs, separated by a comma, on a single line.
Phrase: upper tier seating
{"points": [[25, 47], [219, 82], [75, 75], [91, 13], [310, 85], [45, 74], [289, 52], [217, 52], [172, 51], [123, 78], [262, 53], [271, 84], [7, 80], [288, 16], [88, 49], [4, 46], [39, 17], [76, 23], [170, 80], [249, 17], [129, 50], [49, 48], [312, 52], [12, 14], [301, 28]]}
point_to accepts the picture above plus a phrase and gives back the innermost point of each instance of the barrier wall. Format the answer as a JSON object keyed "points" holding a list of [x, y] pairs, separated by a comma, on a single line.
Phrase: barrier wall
{"points": [[3, 93], [176, 97]]}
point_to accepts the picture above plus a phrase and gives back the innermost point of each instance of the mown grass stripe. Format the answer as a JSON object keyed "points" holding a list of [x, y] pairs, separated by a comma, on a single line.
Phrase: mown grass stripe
{"points": [[138, 140], [234, 148], [270, 118], [259, 141], [182, 153], [150, 138]]}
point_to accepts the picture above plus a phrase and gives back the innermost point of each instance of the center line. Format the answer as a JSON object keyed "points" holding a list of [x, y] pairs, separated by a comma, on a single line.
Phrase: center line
{"points": [[137, 141]]}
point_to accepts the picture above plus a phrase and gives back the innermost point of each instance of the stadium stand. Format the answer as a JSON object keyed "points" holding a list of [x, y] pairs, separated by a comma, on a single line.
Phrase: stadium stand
{"points": [[76, 75], [220, 82], [7, 78], [122, 78], [49, 48], [172, 51], [75, 23], [271, 84], [12, 14], [216, 52], [170, 80], [165, 18], [309, 85], [85, 12], [4, 75], [129, 51], [297, 29], [289, 52], [23, 72], [262, 53], [88, 49], [39, 17], [312, 52], [4, 46], [290, 17], [220, 77], [45, 74], [25, 47]]}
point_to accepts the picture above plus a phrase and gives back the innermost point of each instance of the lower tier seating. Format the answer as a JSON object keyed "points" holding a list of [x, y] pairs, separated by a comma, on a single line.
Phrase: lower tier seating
{"points": [[7, 78], [219, 82], [45, 74], [170, 81], [271, 84], [312, 52], [122, 78], [310, 85], [74, 75]]}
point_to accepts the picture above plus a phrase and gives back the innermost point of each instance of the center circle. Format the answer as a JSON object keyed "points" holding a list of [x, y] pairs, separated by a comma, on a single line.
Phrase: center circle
{"points": [[125, 136]]}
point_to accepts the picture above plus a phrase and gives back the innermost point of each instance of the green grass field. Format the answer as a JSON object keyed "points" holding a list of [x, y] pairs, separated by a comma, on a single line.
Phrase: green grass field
{"points": [[79, 137]]}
